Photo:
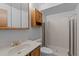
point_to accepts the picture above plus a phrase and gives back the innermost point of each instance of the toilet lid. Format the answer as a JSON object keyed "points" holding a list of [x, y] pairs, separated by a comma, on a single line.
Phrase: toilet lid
{"points": [[46, 50]]}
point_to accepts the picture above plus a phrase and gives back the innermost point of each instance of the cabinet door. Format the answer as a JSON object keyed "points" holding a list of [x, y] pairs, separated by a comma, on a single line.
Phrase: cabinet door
{"points": [[33, 19], [38, 16], [36, 52]]}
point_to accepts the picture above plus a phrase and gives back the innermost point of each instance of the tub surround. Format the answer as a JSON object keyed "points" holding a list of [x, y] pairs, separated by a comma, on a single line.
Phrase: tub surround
{"points": [[20, 50]]}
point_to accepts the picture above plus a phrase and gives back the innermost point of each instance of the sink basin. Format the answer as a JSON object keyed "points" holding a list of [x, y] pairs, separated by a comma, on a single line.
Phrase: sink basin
{"points": [[18, 49], [23, 49]]}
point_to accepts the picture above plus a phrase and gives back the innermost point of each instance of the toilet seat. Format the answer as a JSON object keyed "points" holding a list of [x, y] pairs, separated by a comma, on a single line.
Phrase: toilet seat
{"points": [[46, 51]]}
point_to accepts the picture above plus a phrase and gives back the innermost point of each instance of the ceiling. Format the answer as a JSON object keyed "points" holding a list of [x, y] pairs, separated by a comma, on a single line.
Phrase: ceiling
{"points": [[43, 6], [60, 8]]}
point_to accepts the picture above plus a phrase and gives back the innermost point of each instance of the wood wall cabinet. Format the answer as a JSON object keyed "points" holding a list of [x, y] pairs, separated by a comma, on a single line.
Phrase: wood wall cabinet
{"points": [[36, 18]]}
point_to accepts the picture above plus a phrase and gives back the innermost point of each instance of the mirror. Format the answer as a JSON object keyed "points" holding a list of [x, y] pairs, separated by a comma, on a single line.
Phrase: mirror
{"points": [[14, 15]]}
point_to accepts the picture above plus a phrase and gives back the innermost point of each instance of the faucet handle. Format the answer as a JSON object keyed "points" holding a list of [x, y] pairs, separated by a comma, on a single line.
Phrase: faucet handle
{"points": [[15, 42]]}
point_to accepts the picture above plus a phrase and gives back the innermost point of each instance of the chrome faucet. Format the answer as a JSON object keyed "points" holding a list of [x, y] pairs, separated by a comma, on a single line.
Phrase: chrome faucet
{"points": [[15, 43]]}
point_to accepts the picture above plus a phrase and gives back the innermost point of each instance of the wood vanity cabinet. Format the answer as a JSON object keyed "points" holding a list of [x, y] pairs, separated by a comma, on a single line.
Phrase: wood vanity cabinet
{"points": [[36, 18], [35, 52]]}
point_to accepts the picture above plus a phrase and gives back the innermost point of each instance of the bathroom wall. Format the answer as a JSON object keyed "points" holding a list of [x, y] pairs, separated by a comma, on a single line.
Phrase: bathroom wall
{"points": [[8, 36], [77, 13], [57, 32]]}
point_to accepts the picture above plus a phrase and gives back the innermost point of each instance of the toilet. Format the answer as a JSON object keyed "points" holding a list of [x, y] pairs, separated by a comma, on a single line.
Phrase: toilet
{"points": [[46, 51]]}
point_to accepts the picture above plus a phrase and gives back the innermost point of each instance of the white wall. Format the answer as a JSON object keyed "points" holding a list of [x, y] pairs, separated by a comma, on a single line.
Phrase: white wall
{"points": [[57, 32]]}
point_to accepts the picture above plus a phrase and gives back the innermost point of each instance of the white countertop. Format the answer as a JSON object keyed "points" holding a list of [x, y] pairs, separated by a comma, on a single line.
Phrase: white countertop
{"points": [[20, 50]]}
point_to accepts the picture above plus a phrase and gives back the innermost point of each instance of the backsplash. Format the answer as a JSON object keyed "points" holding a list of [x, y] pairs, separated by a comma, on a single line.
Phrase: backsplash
{"points": [[8, 36]]}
